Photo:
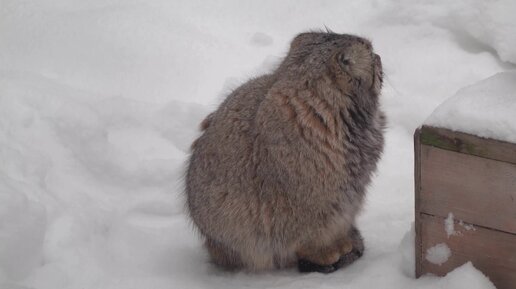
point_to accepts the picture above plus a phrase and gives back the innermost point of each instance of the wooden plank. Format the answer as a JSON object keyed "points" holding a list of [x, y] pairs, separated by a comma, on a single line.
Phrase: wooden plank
{"points": [[492, 252], [476, 190], [417, 181], [468, 144]]}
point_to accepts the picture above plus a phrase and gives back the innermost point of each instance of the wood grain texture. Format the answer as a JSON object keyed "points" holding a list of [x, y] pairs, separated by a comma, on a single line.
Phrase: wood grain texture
{"points": [[417, 183], [468, 144], [476, 190], [492, 252]]}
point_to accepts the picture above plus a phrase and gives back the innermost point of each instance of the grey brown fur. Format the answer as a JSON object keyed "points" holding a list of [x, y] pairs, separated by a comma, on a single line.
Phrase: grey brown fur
{"points": [[281, 168]]}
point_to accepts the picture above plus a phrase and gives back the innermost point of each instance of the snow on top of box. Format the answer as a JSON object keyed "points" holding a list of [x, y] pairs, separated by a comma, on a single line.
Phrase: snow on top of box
{"points": [[486, 109]]}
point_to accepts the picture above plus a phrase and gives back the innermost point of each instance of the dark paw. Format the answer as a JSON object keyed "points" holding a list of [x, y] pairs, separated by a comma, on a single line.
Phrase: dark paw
{"points": [[348, 259], [357, 241], [356, 252], [305, 266]]}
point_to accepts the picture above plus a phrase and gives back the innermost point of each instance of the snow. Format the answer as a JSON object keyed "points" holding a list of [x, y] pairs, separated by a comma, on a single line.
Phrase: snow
{"points": [[100, 100], [485, 108], [407, 249], [438, 254], [491, 23], [22, 231], [456, 279], [449, 225], [468, 227]]}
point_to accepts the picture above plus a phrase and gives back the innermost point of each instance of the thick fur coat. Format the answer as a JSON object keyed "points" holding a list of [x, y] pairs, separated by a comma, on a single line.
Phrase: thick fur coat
{"points": [[281, 168]]}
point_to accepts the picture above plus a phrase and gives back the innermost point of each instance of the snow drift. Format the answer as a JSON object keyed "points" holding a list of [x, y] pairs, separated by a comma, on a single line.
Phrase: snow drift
{"points": [[100, 100]]}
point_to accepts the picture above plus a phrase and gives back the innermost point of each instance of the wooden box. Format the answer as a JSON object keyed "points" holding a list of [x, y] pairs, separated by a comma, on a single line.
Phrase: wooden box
{"points": [[465, 199]]}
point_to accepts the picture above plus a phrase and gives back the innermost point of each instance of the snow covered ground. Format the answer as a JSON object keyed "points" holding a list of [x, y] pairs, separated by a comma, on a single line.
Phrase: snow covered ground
{"points": [[100, 100]]}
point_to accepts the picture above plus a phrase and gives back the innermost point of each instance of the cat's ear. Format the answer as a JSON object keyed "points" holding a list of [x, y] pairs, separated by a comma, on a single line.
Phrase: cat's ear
{"points": [[303, 39], [206, 122]]}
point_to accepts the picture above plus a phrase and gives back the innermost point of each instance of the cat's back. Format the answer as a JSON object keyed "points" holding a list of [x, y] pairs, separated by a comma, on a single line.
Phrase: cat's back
{"points": [[226, 129], [221, 160]]}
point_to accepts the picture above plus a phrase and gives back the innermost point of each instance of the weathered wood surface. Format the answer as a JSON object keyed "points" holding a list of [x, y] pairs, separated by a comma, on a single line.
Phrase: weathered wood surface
{"points": [[475, 179], [476, 190], [492, 252], [468, 144], [417, 182]]}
